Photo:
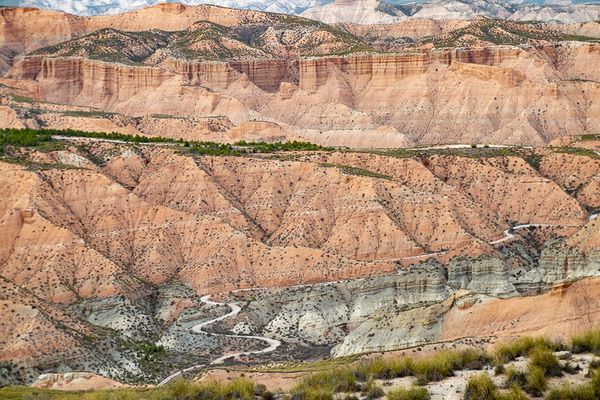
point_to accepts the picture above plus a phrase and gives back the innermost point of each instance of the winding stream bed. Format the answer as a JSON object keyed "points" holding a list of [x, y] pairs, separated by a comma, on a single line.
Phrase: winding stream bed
{"points": [[273, 344]]}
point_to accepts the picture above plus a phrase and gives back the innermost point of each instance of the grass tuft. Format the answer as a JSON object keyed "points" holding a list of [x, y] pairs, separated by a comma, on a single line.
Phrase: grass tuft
{"points": [[588, 342], [509, 351], [536, 381], [480, 387], [412, 393]]}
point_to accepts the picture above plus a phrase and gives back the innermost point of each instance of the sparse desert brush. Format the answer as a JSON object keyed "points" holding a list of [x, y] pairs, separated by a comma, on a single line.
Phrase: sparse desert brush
{"points": [[373, 391], [310, 393], [595, 363], [388, 368], [588, 342], [412, 393], [588, 391], [521, 347], [443, 364], [327, 382], [567, 392], [515, 377], [473, 359], [480, 387], [514, 393], [428, 369]]}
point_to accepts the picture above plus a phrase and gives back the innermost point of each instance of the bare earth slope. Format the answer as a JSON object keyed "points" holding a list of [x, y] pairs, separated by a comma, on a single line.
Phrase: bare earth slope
{"points": [[115, 244]]}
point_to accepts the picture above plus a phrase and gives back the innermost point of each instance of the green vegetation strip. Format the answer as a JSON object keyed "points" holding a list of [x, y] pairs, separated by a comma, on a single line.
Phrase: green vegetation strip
{"points": [[33, 138], [350, 170], [579, 152]]}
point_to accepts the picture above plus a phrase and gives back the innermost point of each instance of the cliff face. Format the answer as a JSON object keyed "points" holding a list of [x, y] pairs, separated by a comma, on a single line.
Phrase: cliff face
{"points": [[267, 74], [484, 93], [20, 31], [551, 87], [131, 90], [71, 80], [383, 71]]}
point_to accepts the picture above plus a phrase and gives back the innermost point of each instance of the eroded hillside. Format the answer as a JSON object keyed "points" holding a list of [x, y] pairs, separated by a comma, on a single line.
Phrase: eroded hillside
{"points": [[111, 246]]}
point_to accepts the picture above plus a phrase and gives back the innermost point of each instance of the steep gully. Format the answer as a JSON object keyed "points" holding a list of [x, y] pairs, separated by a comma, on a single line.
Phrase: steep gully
{"points": [[273, 344]]}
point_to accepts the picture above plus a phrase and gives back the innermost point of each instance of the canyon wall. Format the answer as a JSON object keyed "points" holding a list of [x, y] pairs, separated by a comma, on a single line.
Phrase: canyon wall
{"points": [[65, 80], [495, 95], [383, 70], [426, 304], [266, 74]]}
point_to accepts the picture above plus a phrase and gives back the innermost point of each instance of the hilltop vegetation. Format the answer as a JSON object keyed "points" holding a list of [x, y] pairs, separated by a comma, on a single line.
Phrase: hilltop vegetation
{"points": [[503, 32], [208, 41], [33, 137]]}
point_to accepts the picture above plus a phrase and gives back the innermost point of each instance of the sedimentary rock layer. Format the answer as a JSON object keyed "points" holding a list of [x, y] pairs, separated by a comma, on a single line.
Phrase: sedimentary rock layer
{"points": [[532, 94]]}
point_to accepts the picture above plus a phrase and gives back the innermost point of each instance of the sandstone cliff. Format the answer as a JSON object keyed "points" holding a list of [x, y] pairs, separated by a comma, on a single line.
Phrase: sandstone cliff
{"points": [[209, 61], [332, 98]]}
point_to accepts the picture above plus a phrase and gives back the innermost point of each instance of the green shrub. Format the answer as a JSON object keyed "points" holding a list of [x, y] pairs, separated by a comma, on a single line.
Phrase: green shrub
{"points": [[514, 393], [480, 387], [588, 342], [413, 393], [546, 361], [536, 381]]}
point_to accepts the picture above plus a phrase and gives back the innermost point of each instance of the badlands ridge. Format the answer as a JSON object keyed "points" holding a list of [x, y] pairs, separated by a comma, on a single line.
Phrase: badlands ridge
{"points": [[373, 240], [108, 247]]}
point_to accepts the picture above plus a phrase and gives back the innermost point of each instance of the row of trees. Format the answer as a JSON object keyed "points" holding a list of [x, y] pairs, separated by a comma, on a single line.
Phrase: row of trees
{"points": [[32, 137]]}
